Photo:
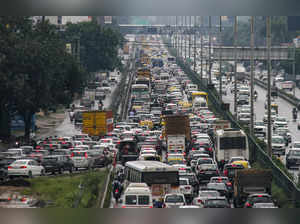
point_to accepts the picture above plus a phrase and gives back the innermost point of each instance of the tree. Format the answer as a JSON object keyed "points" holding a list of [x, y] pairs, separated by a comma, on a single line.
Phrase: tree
{"points": [[99, 46], [38, 71]]}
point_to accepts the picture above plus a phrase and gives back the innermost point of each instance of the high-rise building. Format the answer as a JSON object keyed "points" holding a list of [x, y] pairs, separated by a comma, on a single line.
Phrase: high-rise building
{"points": [[63, 20]]}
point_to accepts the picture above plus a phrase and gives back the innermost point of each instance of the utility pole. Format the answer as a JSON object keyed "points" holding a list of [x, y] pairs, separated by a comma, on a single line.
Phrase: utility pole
{"points": [[252, 77], [220, 61], [184, 36], [209, 49], [190, 29], [269, 86], [195, 44], [235, 65], [201, 53], [181, 40], [176, 36]]}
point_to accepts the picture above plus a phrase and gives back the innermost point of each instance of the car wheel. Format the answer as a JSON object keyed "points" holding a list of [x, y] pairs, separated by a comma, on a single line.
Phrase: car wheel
{"points": [[60, 171], [71, 169], [30, 175], [42, 173]]}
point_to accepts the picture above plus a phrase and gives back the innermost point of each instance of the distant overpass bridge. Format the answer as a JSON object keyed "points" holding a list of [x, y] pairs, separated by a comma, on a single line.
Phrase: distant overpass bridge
{"points": [[162, 29]]}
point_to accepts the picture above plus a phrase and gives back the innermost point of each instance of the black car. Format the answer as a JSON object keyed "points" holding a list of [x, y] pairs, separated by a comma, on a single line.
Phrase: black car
{"points": [[218, 202], [58, 163], [293, 159], [102, 160], [258, 198], [206, 171]]}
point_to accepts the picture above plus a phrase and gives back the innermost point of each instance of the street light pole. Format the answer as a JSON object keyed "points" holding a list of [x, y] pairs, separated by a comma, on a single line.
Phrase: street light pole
{"points": [[235, 65], [252, 77], [184, 36], [176, 33], [190, 39], [195, 44], [269, 86], [181, 40], [201, 53], [209, 49], [220, 62]]}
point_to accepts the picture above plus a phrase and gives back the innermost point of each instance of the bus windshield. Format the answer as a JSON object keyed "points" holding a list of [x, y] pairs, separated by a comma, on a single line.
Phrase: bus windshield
{"points": [[161, 178]]}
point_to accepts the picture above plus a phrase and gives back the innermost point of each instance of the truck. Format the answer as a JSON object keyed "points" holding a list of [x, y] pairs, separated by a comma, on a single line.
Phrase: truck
{"points": [[176, 142], [97, 123], [177, 125], [250, 181], [287, 85], [230, 143]]}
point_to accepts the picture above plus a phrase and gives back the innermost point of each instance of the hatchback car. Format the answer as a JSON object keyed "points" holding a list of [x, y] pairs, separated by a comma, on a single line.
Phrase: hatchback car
{"points": [[174, 200], [219, 202]]}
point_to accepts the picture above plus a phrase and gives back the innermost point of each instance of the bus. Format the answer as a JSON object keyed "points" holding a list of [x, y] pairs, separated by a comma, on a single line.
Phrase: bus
{"points": [[230, 143], [160, 177], [139, 90], [197, 94]]}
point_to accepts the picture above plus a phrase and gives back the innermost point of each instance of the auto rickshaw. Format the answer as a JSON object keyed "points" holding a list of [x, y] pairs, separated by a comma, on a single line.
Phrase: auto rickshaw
{"points": [[244, 163]]}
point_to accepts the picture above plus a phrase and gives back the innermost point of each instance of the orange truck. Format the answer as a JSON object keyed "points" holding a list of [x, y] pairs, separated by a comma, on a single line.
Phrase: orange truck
{"points": [[97, 123]]}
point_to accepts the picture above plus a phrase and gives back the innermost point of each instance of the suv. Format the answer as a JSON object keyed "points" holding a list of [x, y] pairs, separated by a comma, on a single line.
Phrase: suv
{"points": [[293, 158], [206, 171], [57, 163]]}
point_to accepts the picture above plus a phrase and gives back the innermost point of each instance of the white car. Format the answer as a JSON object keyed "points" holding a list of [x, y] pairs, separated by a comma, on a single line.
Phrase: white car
{"points": [[28, 168], [280, 122]]}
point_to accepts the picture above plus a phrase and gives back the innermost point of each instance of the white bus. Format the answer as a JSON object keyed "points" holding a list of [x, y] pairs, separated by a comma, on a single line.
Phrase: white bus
{"points": [[139, 89], [160, 177], [230, 143]]}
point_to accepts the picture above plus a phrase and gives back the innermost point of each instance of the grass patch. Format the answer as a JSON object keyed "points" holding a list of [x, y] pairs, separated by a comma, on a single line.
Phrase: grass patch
{"points": [[64, 192]]}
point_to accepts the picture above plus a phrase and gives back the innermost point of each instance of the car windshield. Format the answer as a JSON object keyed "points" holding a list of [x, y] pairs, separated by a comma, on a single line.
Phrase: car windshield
{"points": [[280, 119], [183, 182], [208, 166], [174, 199], [295, 152], [219, 186], [216, 203], [19, 163], [209, 194], [277, 140], [261, 199], [259, 124], [174, 162], [205, 161], [48, 159]]}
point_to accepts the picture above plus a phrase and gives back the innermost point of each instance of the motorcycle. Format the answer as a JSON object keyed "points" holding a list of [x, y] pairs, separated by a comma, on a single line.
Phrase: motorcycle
{"points": [[117, 195], [255, 97], [295, 115]]}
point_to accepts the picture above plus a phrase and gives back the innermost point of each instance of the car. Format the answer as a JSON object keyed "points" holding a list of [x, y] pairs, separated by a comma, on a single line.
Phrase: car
{"points": [[293, 158], [28, 168], [195, 157], [206, 171], [202, 160], [174, 200], [221, 187], [57, 163], [186, 188], [257, 198], [236, 158], [224, 180], [229, 170], [278, 145], [218, 202], [264, 205], [244, 118], [280, 122], [192, 180], [203, 195], [82, 159]]}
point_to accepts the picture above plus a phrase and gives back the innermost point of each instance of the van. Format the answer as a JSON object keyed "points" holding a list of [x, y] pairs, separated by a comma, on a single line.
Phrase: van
{"points": [[137, 195]]}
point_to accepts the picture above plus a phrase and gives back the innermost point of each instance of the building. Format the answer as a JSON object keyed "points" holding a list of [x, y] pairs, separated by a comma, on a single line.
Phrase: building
{"points": [[63, 20], [296, 42]]}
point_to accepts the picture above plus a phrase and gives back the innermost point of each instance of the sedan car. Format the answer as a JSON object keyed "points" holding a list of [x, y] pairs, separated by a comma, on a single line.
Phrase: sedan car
{"points": [[28, 168], [206, 171], [174, 200], [203, 196], [219, 202]]}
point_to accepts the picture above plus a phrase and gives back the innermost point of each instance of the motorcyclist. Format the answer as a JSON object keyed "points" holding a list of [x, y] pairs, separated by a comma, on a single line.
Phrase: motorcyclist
{"points": [[255, 95], [117, 189], [295, 113]]}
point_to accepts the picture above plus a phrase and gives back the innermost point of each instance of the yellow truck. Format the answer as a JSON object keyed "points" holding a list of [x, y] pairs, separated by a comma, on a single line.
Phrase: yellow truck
{"points": [[97, 123]]}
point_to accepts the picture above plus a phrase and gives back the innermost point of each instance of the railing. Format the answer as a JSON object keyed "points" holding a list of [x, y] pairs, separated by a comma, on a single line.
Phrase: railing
{"points": [[256, 152]]}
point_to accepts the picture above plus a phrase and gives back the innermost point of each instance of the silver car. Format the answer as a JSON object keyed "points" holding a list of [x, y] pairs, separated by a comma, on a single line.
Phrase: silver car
{"points": [[174, 200]]}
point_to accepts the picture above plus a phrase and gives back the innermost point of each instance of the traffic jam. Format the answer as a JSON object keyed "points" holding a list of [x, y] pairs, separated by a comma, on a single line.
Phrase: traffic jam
{"points": [[174, 152]]}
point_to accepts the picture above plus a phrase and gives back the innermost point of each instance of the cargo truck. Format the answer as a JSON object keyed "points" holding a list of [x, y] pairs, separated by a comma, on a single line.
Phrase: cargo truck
{"points": [[250, 181], [97, 123], [177, 125]]}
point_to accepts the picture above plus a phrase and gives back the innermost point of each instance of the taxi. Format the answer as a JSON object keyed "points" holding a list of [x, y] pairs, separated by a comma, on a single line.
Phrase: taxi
{"points": [[244, 163]]}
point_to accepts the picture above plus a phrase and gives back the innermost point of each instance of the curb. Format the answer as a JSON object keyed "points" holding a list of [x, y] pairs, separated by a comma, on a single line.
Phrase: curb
{"points": [[106, 187]]}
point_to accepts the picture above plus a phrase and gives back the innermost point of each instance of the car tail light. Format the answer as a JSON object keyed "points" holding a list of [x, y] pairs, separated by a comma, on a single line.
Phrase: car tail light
{"points": [[86, 155], [210, 149], [150, 206], [187, 187], [200, 201], [116, 191], [23, 167], [217, 171], [72, 155], [193, 149], [229, 184], [201, 171], [248, 205], [10, 167], [123, 206]]}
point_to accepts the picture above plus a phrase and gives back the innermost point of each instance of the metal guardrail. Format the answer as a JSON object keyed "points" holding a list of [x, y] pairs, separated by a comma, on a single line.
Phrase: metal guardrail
{"points": [[257, 153]]}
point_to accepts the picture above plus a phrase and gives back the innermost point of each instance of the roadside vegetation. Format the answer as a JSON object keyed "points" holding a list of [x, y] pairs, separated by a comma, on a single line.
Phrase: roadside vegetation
{"points": [[69, 191]]}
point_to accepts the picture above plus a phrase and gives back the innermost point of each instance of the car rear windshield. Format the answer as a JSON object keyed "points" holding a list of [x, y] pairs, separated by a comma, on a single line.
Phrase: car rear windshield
{"points": [[174, 199], [216, 203], [183, 182], [209, 194], [263, 199], [130, 200], [52, 159]]}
